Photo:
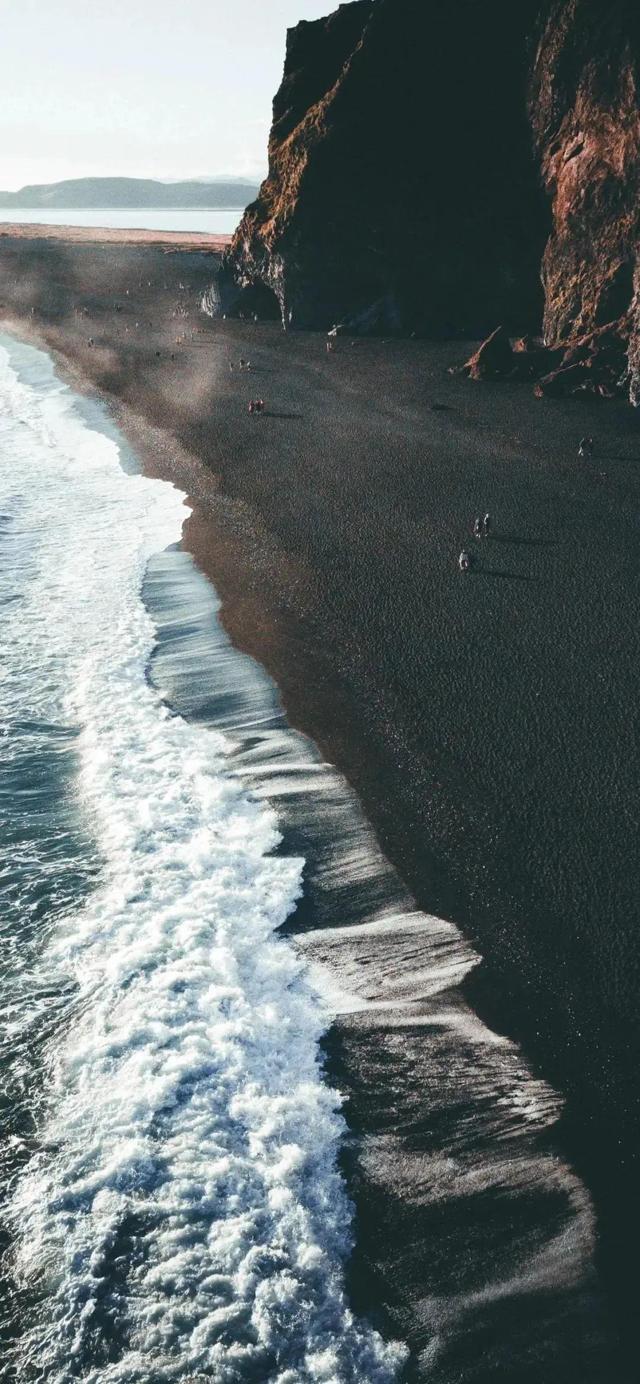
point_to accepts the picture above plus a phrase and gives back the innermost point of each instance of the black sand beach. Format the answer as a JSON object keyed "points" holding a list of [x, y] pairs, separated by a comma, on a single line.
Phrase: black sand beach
{"points": [[488, 723]]}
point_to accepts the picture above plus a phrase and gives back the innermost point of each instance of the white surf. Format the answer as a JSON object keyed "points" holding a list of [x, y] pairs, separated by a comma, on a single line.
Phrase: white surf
{"points": [[183, 1210]]}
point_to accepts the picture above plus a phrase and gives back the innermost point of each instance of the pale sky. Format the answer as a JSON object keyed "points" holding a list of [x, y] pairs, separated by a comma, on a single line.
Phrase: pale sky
{"points": [[144, 88]]}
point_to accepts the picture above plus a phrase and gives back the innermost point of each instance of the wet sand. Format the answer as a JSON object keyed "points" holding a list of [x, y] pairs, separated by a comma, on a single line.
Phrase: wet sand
{"points": [[488, 723], [109, 235]]}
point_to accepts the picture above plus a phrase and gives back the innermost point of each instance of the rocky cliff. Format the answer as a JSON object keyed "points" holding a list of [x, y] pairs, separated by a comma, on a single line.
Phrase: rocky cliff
{"points": [[423, 153], [586, 119], [402, 188], [585, 115]]}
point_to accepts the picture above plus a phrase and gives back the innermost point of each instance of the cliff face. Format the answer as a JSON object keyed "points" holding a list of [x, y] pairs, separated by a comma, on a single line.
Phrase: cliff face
{"points": [[585, 113], [422, 154], [402, 187], [586, 118]]}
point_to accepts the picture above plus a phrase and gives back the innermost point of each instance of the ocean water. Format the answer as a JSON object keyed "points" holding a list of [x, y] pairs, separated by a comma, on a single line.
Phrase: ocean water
{"points": [[211, 220], [171, 1185], [248, 1110]]}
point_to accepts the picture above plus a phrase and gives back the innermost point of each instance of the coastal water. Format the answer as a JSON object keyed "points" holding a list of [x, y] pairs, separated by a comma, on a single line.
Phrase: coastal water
{"points": [[171, 1187], [254, 1132], [207, 220]]}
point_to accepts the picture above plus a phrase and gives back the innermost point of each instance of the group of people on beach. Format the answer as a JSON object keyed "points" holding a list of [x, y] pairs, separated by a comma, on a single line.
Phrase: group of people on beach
{"points": [[255, 405], [481, 529], [482, 526]]}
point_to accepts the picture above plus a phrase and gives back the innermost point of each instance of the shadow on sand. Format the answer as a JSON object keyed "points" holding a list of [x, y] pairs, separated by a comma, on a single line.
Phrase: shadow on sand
{"points": [[524, 542], [498, 572]]}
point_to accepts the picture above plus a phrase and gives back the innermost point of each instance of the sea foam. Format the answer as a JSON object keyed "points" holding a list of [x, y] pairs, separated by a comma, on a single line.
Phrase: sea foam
{"points": [[182, 1212]]}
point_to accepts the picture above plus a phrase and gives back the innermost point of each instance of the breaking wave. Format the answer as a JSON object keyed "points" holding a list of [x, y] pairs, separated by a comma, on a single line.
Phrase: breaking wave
{"points": [[180, 1209]]}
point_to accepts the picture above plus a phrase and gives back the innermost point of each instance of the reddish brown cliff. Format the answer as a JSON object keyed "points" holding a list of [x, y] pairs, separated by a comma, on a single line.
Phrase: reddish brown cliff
{"points": [[586, 117], [585, 112], [584, 103], [402, 188]]}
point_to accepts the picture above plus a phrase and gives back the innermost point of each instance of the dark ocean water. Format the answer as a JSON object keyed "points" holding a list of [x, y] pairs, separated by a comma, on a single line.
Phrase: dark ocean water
{"points": [[253, 1130]]}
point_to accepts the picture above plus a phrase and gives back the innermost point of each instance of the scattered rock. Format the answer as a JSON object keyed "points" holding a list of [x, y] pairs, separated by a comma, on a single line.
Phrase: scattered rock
{"points": [[595, 364], [492, 361]]}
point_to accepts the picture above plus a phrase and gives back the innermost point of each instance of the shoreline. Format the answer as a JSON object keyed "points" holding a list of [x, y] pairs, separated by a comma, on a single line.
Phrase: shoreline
{"points": [[392, 977], [271, 595], [214, 1072], [107, 235]]}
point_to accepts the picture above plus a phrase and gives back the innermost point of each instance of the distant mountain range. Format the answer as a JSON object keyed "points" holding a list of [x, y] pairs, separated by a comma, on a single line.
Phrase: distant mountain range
{"points": [[131, 192]]}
